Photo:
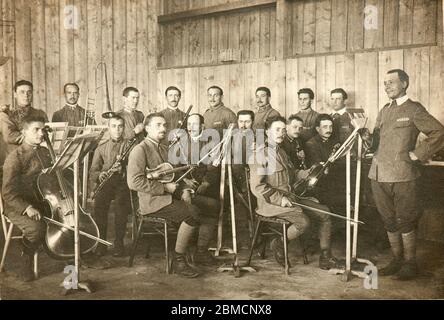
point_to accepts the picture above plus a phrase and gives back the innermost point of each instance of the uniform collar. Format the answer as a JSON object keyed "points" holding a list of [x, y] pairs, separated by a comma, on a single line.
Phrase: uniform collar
{"points": [[30, 146], [217, 107], [116, 141], [173, 109], [71, 106], [340, 112], [264, 108], [401, 100], [153, 141], [196, 139]]}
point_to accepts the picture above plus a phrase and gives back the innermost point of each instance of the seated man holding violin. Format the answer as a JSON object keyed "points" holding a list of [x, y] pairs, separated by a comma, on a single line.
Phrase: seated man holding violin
{"points": [[272, 176], [156, 198], [200, 187], [22, 206], [107, 177]]}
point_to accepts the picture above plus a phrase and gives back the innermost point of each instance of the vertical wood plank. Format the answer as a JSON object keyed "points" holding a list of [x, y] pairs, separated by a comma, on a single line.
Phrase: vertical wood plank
{"points": [[391, 16], [307, 74], [66, 34], [8, 14], [236, 87], [283, 32], [191, 89], [439, 24], [119, 46], [23, 56], [374, 33], [233, 31], [153, 8], [308, 45], [345, 75], [339, 25], [366, 85], [388, 60], [355, 39], [131, 42], [108, 57], [321, 90], [38, 54], [244, 30], [80, 47], [142, 52], [330, 76], [291, 87], [94, 49], [298, 28], [436, 83], [273, 35], [254, 35], [264, 33], [52, 25], [405, 31], [323, 26], [251, 83], [206, 79], [277, 86], [222, 35], [417, 66]]}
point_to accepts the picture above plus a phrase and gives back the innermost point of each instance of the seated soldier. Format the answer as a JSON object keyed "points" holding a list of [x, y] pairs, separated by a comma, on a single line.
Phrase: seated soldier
{"points": [[21, 169], [115, 188], [293, 144], [156, 198], [272, 174]]}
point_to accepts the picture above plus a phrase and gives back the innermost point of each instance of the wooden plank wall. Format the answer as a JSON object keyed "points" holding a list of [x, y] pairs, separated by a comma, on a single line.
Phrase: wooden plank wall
{"points": [[121, 32]]}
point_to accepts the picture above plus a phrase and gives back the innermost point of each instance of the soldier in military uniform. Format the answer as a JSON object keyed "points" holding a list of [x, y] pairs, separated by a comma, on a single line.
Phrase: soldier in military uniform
{"points": [[265, 110], [115, 188], [271, 177], [293, 144], [306, 113], [133, 118], [22, 206], [11, 117], [394, 171], [218, 116], [173, 115], [342, 127], [72, 112]]}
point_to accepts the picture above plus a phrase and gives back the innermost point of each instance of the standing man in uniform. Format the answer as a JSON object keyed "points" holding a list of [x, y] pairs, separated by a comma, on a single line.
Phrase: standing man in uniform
{"points": [[394, 171], [115, 188], [218, 116], [11, 119], [133, 118], [292, 144], [265, 110], [306, 113], [72, 112], [173, 115], [342, 126]]}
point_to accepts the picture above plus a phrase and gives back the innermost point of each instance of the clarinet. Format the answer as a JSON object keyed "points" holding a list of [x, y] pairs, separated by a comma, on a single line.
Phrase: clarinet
{"points": [[110, 172]]}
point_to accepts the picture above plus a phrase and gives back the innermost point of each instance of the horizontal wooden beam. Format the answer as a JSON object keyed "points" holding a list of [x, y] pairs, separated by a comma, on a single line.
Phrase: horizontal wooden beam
{"points": [[216, 10]]}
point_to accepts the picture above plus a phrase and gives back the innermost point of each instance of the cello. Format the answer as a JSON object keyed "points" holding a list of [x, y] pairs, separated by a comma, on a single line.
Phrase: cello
{"points": [[58, 195]]}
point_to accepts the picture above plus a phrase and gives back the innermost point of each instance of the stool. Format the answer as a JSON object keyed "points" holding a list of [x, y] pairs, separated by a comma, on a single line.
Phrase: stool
{"points": [[7, 231], [161, 227], [284, 225]]}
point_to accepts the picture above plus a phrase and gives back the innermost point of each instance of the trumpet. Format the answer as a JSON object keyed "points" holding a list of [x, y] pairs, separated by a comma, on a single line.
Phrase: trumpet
{"points": [[116, 165]]}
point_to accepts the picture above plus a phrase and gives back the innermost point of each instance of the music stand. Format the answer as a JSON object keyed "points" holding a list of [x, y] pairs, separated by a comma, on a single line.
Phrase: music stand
{"points": [[73, 153]]}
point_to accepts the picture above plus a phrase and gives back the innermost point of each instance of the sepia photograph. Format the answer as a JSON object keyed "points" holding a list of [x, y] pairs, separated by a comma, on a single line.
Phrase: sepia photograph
{"points": [[221, 156]]}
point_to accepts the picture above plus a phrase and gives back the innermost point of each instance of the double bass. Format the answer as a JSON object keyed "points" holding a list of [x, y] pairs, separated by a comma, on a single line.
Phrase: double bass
{"points": [[58, 195]]}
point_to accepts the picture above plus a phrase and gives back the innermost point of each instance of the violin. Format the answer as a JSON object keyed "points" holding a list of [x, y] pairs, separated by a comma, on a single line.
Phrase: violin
{"points": [[164, 172], [315, 173], [58, 194]]}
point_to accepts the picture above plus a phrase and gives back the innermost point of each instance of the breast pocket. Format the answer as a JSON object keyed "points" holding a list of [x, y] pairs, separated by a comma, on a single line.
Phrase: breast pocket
{"points": [[403, 124]]}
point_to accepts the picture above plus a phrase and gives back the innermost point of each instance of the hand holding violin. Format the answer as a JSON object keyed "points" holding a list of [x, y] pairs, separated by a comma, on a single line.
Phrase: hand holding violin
{"points": [[33, 213], [170, 187], [286, 203]]}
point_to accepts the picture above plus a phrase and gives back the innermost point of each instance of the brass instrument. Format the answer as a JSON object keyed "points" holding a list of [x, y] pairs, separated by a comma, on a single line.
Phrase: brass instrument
{"points": [[91, 101], [114, 168]]}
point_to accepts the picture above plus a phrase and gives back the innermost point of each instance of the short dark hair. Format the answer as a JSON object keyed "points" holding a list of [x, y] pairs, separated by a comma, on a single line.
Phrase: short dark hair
{"points": [[322, 117], [294, 117], [341, 91], [218, 88], [265, 89], [308, 91], [70, 84], [127, 90], [117, 117], [27, 120], [173, 88], [246, 112], [271, 120], [23, 83], [151, 116], [403, 76], [201, 117]]}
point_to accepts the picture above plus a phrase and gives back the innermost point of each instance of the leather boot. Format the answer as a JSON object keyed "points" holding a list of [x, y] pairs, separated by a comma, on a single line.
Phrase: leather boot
{"points": [[204, 258], [409, 268], [182, 268], [395, 264], [327, 261], [277, 245], [27, 272]]}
